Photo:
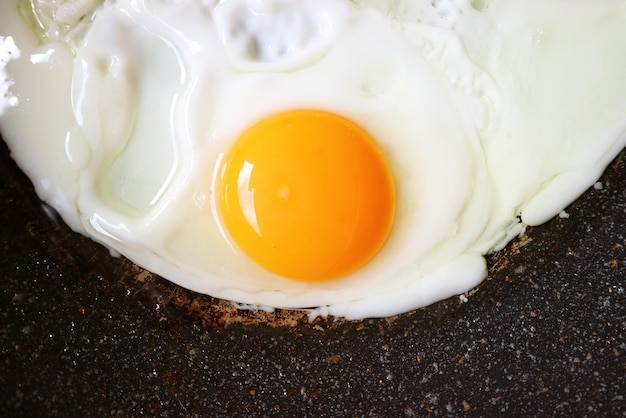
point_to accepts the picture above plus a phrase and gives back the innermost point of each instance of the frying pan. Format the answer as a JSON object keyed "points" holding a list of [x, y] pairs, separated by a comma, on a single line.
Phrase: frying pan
{"points": [[86, 334]]}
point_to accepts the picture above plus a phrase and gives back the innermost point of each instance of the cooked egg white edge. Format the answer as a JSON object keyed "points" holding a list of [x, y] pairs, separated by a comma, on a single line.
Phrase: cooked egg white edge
{"points": [[61, 193]]}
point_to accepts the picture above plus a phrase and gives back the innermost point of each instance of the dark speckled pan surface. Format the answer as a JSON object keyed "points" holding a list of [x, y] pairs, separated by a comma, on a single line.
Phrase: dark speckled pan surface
{"points": [[86, 334]]}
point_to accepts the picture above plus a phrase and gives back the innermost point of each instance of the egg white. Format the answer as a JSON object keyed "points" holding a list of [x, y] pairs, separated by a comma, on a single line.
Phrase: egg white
{"points": [[487, 112]]}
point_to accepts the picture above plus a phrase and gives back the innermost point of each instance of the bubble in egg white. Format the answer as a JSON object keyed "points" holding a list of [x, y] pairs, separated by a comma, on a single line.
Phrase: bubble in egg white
{"points": [[492, 115]]}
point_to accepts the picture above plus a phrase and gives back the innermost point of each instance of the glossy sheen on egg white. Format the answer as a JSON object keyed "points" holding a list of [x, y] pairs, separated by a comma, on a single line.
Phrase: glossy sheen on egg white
{"points": [[492, 115]]}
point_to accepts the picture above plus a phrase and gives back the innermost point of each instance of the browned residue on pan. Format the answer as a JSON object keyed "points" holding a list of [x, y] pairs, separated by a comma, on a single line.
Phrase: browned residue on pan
{"points": [[174, 301]]}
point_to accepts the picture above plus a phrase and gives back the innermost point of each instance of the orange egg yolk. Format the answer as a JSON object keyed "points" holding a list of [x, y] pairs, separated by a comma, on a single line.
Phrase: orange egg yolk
{"points": [[307, 195]]}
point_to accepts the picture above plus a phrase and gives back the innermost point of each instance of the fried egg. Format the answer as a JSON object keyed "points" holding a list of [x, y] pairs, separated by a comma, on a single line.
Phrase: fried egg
{"points": [[354, 158]]}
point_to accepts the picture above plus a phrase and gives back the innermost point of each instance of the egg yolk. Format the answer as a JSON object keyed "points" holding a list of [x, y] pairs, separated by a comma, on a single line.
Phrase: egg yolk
{"points": [[307, 195]]}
